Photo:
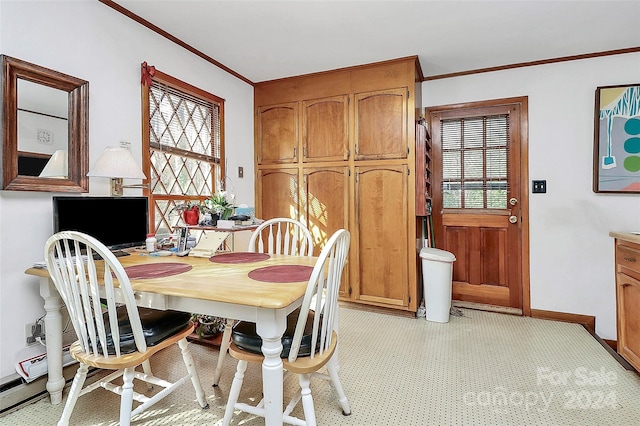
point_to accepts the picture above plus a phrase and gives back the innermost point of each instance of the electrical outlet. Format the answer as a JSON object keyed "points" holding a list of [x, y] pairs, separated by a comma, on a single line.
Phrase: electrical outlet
{"points": [[33, 331]]}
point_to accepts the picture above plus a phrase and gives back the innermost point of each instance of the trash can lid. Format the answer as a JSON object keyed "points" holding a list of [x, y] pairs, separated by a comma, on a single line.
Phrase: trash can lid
{"points": [[430, 253]]}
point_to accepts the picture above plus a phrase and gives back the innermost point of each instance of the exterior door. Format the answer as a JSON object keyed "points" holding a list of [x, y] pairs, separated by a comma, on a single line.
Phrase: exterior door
{"points": [[480, 205]]}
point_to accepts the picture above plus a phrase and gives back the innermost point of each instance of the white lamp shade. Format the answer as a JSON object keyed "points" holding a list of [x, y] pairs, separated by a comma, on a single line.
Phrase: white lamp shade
{"points": [[57, 166], [116, 162]]}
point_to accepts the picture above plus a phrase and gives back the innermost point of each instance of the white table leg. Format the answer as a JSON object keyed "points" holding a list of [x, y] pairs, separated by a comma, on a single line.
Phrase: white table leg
{"points": [[270, 326], [53, 339]]}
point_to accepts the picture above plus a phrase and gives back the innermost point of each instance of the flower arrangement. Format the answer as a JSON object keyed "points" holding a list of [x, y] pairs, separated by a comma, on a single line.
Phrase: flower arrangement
{"points": [[219, 205]]}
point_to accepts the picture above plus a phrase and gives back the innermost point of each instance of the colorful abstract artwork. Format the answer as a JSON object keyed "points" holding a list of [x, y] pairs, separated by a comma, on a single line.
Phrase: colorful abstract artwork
{"points": [[617, 139]]}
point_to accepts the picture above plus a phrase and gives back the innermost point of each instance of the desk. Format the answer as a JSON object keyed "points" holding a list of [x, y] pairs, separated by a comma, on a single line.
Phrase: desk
{"points": [[223, 290], [232, 231]]}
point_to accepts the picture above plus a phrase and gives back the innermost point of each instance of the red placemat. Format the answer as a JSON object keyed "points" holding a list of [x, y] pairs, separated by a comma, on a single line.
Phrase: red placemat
{"points": [[282, 273], [239, 257], [156, 270]]}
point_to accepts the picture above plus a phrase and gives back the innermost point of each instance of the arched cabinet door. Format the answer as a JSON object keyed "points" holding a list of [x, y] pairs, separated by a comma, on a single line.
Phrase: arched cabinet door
{"points": [[381, 125], [325, 129], [325, 208], [381, 252], [277, 134], [278, 193]]}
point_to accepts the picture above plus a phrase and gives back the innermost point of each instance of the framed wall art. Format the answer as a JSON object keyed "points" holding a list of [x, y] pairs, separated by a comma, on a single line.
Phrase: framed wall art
{"points": [[616, 162]]}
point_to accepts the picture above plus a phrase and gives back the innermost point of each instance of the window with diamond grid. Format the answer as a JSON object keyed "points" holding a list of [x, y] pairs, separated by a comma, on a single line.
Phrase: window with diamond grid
{"points": [[185, 144], [475, 153]]}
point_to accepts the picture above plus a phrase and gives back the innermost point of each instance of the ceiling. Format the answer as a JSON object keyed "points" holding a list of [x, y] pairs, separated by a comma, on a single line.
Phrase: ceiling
{"points": [[266, 40]]}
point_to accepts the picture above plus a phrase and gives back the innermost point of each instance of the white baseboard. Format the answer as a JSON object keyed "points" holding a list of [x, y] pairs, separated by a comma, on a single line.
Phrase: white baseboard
{"points": [[22, 393]]}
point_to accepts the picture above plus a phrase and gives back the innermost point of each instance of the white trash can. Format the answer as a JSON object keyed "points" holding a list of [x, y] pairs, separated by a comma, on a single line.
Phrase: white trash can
{"points": [[437, 271]]}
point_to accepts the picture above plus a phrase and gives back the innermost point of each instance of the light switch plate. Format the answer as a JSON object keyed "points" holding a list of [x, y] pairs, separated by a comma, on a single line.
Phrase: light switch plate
{"points": [[539, 186]]}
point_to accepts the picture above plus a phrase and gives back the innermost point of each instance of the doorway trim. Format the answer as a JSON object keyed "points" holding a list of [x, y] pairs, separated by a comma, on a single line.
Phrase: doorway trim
{"points": [[523, 101]]}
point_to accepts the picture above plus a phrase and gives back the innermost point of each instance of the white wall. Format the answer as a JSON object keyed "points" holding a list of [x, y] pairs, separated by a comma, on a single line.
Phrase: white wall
{"points": [[91, 41], [571, 253]]}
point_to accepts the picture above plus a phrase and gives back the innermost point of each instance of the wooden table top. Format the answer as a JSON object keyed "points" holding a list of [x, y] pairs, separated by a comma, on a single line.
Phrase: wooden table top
{"points": [[217, 281]]}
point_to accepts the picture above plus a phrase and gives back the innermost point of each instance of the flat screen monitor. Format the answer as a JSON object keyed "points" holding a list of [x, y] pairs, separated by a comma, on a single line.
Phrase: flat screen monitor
{"points": [[117, 222]]}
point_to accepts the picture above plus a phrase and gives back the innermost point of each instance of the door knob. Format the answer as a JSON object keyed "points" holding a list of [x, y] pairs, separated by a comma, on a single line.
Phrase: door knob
{"points": [[513, 201], [513, 219]]}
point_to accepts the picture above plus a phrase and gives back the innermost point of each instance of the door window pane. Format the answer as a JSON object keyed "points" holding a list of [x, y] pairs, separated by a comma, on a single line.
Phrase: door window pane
{"points": [[475, 153]]}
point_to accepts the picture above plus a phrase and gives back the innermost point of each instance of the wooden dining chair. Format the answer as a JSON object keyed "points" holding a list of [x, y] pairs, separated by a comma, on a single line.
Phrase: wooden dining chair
{"points": [[280, 235], [308, 346], [113, 335]]}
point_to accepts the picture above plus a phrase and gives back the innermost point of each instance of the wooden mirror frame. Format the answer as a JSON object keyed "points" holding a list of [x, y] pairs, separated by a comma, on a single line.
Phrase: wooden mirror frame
{"points": [[78, 143]]}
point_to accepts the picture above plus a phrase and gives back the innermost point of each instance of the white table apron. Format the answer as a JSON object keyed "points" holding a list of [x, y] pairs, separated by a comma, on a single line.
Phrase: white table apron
{"points": [[270, 325]]}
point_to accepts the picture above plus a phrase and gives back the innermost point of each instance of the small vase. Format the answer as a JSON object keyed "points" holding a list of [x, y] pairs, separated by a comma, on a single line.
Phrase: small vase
{"points": [[214, 219]]}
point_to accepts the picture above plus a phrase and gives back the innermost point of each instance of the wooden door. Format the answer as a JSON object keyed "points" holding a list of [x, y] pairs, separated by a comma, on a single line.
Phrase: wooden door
{"points": [[381, 124], [325, 201], [325, 129], [380, 246], [278, 193], [277, 133], [478, 198]]}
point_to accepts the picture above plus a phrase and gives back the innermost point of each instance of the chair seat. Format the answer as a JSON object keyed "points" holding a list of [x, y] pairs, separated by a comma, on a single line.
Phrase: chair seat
{"points": [[126, 360], [156, 325], [245, 336], [301, 365]]}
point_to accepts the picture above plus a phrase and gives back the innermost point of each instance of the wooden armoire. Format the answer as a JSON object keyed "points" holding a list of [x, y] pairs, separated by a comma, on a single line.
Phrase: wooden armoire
{"points": [[337, 150]]}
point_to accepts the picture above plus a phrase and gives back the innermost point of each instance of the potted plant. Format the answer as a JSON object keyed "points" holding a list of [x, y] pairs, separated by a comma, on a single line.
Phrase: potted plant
{"points": [[189, 211], [207, 325], [219, 205]]}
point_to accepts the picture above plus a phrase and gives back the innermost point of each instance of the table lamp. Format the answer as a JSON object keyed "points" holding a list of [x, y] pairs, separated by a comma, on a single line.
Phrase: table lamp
{"points": [[117, 163]]}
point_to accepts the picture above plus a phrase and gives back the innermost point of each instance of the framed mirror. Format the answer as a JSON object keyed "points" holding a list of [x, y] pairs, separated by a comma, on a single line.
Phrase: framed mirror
{"points": [[45, 129]]}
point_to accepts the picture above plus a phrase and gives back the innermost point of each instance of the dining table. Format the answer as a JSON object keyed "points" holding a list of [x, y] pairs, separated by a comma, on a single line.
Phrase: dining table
{"points": [[256, 287]]}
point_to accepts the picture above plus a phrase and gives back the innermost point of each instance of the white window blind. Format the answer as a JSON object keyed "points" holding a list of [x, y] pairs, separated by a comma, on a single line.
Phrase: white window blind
{"points": [[475, 162]]}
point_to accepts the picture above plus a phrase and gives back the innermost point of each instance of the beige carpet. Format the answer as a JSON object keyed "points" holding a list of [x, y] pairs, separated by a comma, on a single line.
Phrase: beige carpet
{"points": [[479, 369]]}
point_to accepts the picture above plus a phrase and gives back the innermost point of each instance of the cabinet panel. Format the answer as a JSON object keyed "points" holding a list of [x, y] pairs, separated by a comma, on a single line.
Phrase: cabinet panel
{"points": [[326, 208], [277, 134], [325, 129], [628, 301], [381, 124], [381, 236], [279, 193]]}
